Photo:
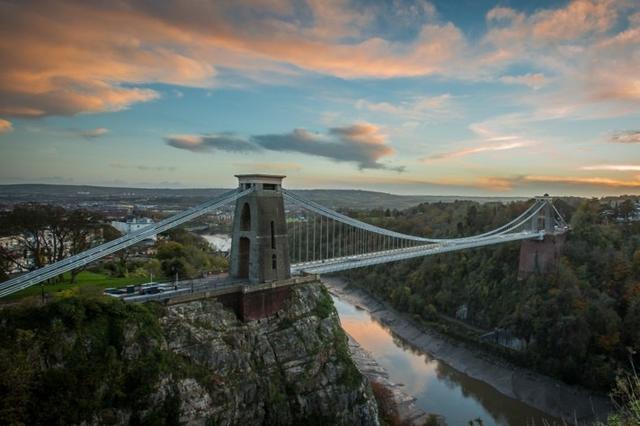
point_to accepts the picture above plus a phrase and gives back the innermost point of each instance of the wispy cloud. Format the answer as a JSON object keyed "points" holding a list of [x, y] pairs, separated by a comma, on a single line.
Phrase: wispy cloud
{"points": [[629, 136], [270, 167], [5, 126], [414, 109], [94, 133], [143, 167], [614, 167], [478, 149], [535, 81], [633, 183], [211, 142]]}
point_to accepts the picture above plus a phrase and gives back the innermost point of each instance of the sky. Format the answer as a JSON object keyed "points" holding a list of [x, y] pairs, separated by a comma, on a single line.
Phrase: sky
{"points": [[467, 97]]}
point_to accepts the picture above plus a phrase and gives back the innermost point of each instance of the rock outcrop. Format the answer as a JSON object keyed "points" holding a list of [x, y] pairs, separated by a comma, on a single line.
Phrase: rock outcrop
{"points": [[291, 367]]}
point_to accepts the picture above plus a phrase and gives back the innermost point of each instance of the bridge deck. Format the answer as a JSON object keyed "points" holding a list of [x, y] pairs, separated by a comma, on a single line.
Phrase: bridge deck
{"points": [[376, 258], [189, 291]]}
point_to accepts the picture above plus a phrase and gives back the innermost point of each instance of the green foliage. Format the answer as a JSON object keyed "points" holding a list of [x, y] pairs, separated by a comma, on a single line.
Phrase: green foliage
{"points": [[67, 361], [87, 283], [351, 377], [188, 256], [626, 394], [324, 307]]}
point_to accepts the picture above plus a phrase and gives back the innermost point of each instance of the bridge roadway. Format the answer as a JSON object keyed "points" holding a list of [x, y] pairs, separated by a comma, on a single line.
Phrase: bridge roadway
{"points": [[376, 258], [189, 290]]}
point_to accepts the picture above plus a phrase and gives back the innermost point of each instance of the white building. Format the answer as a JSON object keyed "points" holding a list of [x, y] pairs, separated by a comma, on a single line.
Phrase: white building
{"points": [[133, 224]]}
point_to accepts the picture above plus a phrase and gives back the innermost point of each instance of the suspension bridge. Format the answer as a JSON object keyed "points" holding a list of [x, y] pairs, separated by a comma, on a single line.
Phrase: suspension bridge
{"points": [[268, 246]]}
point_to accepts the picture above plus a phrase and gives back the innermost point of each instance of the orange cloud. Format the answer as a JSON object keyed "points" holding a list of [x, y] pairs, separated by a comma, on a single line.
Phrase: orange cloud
{"points": [[72, 57], [633, 183], [578, 18], [491, 183], [5, 126], [84, 57]]}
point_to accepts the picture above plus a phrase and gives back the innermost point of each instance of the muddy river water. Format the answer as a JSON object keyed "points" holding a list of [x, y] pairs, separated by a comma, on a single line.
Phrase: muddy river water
{"points": [[437, 387]]}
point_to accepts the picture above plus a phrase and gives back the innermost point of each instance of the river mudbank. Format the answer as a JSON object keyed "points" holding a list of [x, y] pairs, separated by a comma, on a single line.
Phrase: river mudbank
{"points": [[571, 403]]}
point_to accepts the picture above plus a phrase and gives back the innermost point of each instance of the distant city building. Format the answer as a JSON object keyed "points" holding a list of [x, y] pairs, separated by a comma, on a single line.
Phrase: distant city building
{"points": [[133, 224]]}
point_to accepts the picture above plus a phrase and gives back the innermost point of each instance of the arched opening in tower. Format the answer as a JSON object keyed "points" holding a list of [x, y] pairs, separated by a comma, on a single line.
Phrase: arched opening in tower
{"points": [[243, 257], [245, 218]]}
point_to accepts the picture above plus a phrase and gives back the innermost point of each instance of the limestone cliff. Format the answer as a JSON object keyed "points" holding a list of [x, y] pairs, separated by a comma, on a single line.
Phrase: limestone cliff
{"points": [[104, 362]]}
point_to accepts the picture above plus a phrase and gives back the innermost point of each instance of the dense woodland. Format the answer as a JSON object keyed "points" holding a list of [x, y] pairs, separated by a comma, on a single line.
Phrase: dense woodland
{"points": [[581, 322]]}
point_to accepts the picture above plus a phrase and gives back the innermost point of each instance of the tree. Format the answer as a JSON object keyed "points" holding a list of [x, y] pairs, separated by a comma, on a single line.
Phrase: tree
{"points": [[626, 208], [47, 234]]}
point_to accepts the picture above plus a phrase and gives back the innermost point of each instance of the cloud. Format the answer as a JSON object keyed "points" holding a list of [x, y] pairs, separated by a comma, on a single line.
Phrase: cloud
{"points": [[5, 126], [415, 109], [614, 167], [587, 181], [94, 133], [578, 18], [629, 136], [478, 149], [585, 46], [490, 183], [535, 81], [49, 70], [361, 143], [212, 142], [270, 167], [143, 167]]}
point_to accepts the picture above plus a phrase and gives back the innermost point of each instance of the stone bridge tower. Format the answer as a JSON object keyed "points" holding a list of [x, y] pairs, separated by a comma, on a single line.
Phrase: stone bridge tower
{"points": [[541, 256], [259, 246]]}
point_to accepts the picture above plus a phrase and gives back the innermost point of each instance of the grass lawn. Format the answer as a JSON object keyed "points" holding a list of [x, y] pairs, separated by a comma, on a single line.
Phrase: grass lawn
{"points": [[86, 283]]}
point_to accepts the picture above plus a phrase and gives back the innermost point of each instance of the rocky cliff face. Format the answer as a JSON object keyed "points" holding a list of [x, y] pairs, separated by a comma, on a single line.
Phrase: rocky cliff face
{"points": [[279, 370], [103, 362]]}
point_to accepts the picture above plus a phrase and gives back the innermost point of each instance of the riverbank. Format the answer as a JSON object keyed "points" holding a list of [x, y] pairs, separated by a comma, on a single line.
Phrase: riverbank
{"points": [[405, 405], [544, 393]]}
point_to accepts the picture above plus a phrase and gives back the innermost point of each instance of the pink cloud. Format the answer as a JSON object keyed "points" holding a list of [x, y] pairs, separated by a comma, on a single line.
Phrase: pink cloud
{"points": [[614, 167], [533, 80]]}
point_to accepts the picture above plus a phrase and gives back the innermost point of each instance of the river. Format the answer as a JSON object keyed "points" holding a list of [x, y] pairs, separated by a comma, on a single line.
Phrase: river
{"points": [[437, 387]]}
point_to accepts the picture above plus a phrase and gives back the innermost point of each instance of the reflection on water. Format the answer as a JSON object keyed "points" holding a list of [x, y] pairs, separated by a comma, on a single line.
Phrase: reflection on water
{"points": [[437, 387]]}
